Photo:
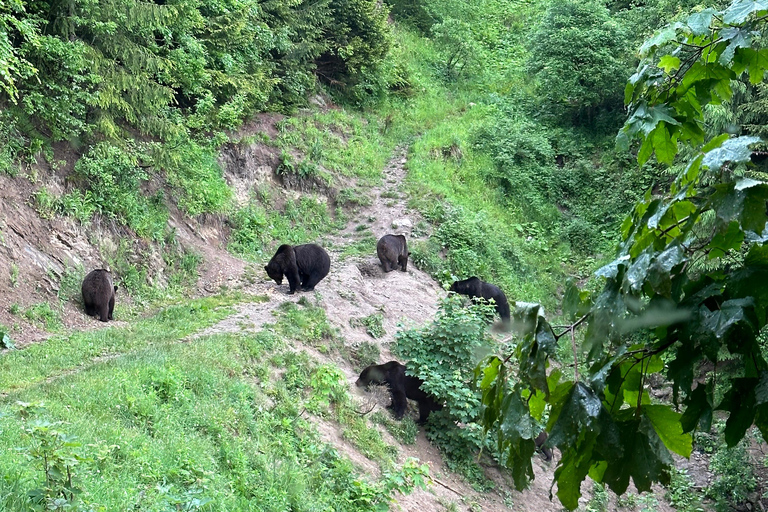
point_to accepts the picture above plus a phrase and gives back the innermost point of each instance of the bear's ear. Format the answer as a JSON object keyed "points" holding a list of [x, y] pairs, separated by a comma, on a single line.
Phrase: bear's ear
{"points": [[115, 287], [266, 269], [409, 253]]}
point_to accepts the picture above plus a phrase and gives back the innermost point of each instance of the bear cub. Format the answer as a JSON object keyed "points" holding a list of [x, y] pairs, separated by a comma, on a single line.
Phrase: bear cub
{"points": [[99, 294], [393, 252], [475, 288], [401, 387], [303, 265]]}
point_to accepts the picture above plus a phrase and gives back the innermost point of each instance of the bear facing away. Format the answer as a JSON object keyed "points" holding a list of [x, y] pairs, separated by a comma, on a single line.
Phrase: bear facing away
{"points": [[401, 387], [99, 294], [474, 287], [393, 252], [303, 265]]}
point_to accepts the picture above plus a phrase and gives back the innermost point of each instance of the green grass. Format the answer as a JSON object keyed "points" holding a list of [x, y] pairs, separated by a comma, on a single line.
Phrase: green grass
{"points": [[60, 354], [218, 422]]}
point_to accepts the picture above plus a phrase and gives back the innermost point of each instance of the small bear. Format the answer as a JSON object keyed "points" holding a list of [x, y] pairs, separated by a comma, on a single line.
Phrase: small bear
{"points": [[475, 288], [393, 252], [99, 294], [401, 387]]}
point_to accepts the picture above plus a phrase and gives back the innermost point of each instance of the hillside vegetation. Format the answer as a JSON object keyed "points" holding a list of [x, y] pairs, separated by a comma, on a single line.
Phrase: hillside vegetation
{"points": [[179, 143]]}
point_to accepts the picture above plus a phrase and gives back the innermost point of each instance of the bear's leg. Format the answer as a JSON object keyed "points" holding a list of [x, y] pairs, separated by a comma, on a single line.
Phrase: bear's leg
{"points": [[111, 307], [294, 281], [399, 403], [310, 283], [90, 310], [104, 312]]}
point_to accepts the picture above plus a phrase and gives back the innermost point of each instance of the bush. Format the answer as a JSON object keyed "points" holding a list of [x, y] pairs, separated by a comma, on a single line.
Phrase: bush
{"points": [[442, 355]]}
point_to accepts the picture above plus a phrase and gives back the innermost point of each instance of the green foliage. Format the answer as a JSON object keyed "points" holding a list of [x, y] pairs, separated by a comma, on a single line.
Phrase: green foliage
{"points": [[114, 176], [576, 55], [196, 177], [442, 355], [5, 339], [681, 493], [56, 454], [44, 315], [703, 55], [366, 354], [734, 477], [684, 291], [256, 227], [15, 25], [305, 322], [404, 430], [373, 324]]}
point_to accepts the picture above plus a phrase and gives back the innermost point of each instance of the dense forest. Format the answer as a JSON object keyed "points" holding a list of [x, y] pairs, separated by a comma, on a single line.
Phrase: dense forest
{"points": [[602, 162]]}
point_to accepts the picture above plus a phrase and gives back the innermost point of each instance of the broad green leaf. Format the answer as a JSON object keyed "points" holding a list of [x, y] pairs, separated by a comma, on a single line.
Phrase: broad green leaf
{"points": [[571, 472], [578, 413], [611, 270], [665, 35], [737, 37], [761, 390], [659, 271], [637, 273], [537, 403], [740, 402], [753, 215], [699, 22], [667, 424], [668, 63], [726, 240], [645, 458], [698, 411], [716, 142], [735, 150], [665, 146], [740, 10]]}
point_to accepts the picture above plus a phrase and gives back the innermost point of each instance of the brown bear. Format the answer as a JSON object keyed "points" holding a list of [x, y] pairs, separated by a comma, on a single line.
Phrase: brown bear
{"points": [[475, 288], [99, 294], [541, 447], [393, 252], [303, 265], [401, 387]]}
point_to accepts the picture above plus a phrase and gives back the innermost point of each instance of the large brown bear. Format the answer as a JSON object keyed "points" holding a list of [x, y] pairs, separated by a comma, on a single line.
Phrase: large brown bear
{"points": [[393, 252], [401, 387], [303, 265], [99, 294], [475, 288]]}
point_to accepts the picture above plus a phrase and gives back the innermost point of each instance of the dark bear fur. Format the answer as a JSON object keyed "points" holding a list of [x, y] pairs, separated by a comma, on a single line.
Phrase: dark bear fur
{"points": [[99, 294], [474, 288], [303, 265], [545, 451], [393, 252], [401, 387]]}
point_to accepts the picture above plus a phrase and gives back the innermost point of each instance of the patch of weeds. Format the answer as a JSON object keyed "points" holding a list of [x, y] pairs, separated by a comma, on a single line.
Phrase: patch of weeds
{"points": [[43, 314], [367, 440], [304, 322], [734, 476], [5, 338], [390, 194], [599, 500], [421, 229], [44, 203], [681, 492], [185, 269], [360, 227], [70, 284], [405, 430], [14, 308], [329, 386], [252, 274], [348, 295], [374, 324], [366, 354], [351, 196], [14, 275], [362, 247]]}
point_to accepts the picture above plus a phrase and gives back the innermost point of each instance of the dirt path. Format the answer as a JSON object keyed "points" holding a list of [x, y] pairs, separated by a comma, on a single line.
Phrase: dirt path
{"points": [[356, 287]]}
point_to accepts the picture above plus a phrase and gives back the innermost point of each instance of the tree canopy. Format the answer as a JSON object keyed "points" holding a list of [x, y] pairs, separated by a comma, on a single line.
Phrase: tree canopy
{"points": [[685, 292]]}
